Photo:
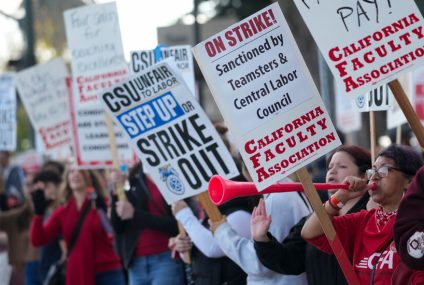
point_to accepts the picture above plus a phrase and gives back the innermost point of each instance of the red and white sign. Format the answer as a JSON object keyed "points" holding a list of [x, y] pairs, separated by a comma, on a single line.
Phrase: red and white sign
{"points": [[42, 89], [418, 82], [366, 43], [266, 95], [98, 62]]}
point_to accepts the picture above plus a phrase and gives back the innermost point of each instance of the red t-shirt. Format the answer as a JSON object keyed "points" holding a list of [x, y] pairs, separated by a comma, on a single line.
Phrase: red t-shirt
{"points": [[152, 241], [93, 251], [363, 243]]}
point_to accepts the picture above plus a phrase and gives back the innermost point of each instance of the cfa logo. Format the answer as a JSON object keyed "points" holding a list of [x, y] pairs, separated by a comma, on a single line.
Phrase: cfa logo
{"points": [[384, 259]]}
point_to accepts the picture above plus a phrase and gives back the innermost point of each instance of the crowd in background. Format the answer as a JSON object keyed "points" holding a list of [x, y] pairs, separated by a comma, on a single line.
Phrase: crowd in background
{"points": [[55, 216]]}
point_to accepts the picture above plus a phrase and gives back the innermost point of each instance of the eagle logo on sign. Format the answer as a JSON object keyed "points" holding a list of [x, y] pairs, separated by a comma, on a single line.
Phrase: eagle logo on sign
{"points": [[171, 179]]}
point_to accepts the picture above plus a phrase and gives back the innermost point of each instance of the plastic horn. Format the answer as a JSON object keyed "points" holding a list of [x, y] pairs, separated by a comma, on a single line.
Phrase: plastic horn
{"points": [[222, 190]]}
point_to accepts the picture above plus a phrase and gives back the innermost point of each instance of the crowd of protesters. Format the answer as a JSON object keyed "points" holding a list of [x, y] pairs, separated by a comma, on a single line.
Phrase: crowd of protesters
{"points": [[55, 216]]}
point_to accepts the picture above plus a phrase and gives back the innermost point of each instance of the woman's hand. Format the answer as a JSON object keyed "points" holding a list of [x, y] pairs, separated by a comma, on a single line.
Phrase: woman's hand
{"points": [[213, 225], [357, 188], [260, 222], [183, 243], [124, 209], [178, 206], [39, 201]]}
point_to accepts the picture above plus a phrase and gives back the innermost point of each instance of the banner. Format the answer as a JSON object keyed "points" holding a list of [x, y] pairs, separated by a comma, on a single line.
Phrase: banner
{"points": [[97, 62], [378, 99], [7, 112], [170, 132], [348, 119], [42, 89], [371, 42], [266, 95]]}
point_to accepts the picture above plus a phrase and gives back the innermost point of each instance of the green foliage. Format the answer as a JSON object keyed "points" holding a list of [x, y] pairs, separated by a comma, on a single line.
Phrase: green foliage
{"points": [[48, 22], [23, 127]]}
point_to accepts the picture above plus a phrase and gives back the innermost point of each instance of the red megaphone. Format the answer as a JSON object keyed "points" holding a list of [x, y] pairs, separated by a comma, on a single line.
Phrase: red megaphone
{"points": [[222, 190]]}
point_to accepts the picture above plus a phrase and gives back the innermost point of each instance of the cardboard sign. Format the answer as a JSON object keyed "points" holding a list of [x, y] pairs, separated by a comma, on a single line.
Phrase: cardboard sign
{"points": [[370, 43], [7, 112], [42, 89], [418, 83], [395, 116], [348, 119], [98, 62], [268, 99], [142, 59], [378, 99], [173, 137]]}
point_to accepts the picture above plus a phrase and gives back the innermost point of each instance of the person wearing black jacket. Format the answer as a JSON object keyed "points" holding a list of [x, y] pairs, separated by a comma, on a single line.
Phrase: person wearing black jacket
{"points": [[143, 226], [294, 255]]}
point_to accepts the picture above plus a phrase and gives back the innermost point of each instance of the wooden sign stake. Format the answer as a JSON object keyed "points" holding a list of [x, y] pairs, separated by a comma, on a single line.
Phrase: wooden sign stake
{"points": [[407, 110], [327, 226]]}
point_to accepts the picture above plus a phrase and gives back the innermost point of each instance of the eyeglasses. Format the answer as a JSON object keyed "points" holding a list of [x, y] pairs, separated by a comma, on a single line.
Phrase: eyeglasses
{"points": [[382, 171]]}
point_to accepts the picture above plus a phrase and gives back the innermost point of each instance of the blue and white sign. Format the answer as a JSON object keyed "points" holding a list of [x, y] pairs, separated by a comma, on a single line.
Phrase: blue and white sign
{"points": [[171, 134]]}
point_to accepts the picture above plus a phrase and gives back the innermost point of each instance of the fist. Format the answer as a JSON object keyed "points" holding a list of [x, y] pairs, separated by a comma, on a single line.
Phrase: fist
{"points": [[178, 206], [125, 210]]}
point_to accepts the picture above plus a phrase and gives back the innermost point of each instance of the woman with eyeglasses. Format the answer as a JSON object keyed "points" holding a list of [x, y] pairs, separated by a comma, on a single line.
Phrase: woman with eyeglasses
{"points": [[293, 255], [367, 236]]}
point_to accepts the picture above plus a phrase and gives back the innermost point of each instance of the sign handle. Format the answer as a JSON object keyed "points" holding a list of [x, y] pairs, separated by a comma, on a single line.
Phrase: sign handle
{"points": [[327, 226], [114, 151], [372, 135], [210, 208], [399, 134], [407, 110], [186, 255]]}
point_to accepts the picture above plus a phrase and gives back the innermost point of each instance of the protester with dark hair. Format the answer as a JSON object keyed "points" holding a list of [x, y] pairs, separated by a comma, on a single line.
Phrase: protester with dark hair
{"points": [[49, 181], [409, 230], [367, 236], [143, 225], [83, 224], [294, 255], [54, 165]]}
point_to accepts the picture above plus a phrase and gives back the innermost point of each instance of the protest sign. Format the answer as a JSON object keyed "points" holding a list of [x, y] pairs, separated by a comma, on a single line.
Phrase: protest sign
{"points": [[42, 89], [171, 134], [266, 95], [7, 112], [370, 43], [347, 117], [142, 59], [97, 62], [418, 88], [395, 115], [378, 99]]}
